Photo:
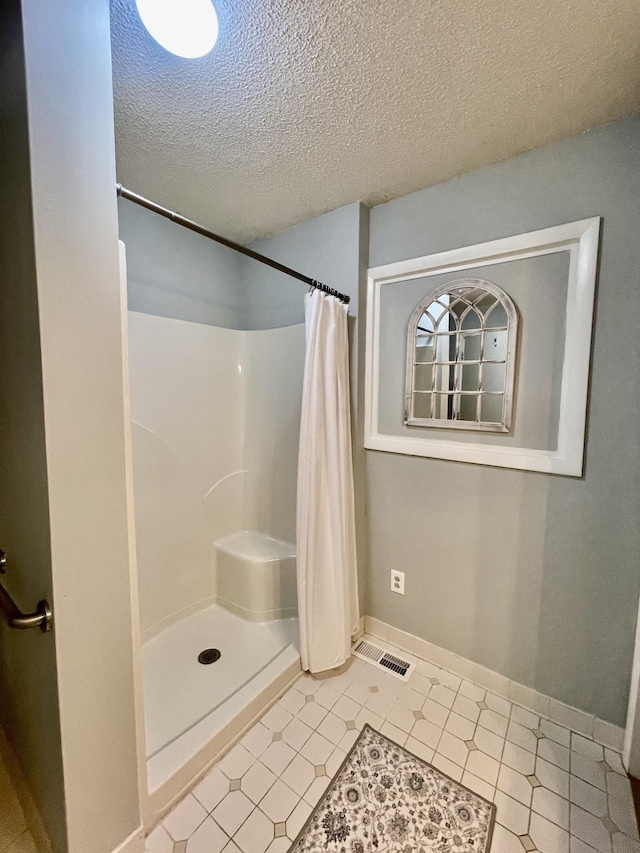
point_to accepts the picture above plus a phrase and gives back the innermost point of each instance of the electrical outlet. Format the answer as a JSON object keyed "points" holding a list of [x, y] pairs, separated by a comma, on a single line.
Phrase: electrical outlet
{"points": [[397, 582]]}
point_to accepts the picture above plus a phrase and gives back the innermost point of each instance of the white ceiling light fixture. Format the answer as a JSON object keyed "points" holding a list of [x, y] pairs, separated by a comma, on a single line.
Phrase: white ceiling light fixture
{"points": [[187, 28]]}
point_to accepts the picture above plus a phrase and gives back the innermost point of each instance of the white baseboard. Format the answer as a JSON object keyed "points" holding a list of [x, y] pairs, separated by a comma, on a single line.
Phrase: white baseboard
{"points": [[572, 718]]}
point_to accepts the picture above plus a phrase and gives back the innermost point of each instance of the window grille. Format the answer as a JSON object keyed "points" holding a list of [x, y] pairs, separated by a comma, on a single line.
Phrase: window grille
{"points": [[461, 354]]}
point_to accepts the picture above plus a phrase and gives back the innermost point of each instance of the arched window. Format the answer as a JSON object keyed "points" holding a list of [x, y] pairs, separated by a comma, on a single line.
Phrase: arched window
{"points": [[461, 355]]}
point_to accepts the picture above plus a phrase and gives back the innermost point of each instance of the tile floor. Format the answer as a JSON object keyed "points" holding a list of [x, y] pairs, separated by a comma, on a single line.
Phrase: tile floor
{"points": [[14, 835], [555, 791]]}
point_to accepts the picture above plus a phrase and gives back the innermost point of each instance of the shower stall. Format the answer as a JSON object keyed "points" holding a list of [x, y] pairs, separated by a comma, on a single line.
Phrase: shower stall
{"points": [[216, 347]]}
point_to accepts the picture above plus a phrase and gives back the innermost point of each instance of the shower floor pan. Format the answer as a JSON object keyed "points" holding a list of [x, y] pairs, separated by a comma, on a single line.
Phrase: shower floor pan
{"points": [[192, 710]]}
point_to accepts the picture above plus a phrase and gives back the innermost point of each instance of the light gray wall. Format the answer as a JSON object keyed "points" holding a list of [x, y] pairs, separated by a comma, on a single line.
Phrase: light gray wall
{"points": [[538, 287], [331, 249], [75, 230], [534, 576], [28, 673], [174, 272]]}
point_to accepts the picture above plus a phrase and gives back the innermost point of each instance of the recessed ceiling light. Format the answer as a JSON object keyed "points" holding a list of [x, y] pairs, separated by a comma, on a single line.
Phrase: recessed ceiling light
{"points": [[188, 28]]}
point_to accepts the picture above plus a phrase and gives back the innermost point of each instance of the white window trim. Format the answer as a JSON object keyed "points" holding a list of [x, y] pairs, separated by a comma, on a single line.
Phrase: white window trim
{"points": [[580, 239]]}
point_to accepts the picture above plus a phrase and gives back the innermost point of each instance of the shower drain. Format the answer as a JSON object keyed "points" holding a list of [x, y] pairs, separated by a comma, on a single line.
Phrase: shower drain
{"points": [[209, 656]]}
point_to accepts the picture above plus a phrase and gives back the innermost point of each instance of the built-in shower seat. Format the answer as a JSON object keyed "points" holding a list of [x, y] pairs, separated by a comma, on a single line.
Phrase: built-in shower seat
{"points": [[256, 576]]}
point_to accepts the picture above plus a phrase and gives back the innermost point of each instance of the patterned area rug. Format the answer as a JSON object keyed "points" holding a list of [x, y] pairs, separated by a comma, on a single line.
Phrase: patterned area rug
{"points": [[385, 800]]}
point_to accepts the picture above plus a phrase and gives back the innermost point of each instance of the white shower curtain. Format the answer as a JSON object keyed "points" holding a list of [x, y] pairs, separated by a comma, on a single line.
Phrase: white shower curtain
{"points": [[327, 570]]}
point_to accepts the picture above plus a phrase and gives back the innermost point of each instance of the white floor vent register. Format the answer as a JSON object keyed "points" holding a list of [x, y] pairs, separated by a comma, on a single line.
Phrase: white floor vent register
{"points": [[383, 659]]}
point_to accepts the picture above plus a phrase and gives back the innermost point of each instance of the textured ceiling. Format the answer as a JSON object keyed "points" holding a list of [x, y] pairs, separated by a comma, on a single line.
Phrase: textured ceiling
{"points": [[306, 105]]}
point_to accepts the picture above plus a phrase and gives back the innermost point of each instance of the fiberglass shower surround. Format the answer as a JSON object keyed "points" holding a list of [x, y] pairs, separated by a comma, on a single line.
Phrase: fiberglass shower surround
{"points": [[216, 481]]}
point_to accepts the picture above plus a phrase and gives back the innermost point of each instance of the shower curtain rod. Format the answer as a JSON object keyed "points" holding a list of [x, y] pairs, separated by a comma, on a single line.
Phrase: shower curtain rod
{"points": [[199, 229]]}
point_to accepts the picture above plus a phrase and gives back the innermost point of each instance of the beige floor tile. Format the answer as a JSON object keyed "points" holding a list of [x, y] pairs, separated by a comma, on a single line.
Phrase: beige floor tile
{"points": [[393, 733], [316, 790], [551, 806], [553, 777], [411, 699], [511, 814], [623, 814], [348, 739], [518, 758], [159, 841], [232, 812], [588, 770], [449, 680], [498, 704], [453, 748], [554, 753], [493, 721], [420, 749], [212, 790], [297, 818], [257, 780], [257, 739], [577, 845], [588, 797], [358, 691], [623, 844], [278, 756], [522, 736], [327, 696], [488, 742], [236, 762], [438, 718], [590, 829], [460, 726], [332, 728], [515, 785], [435, 713], [426, 732], [255, 834], [279, 845], [367, 716], [504, 841], [335, 760], [292, 701], [547, 836], [12, 821], [312, 714], [478, 785], [276, 718], [472, 691], [347, 709], [317, 749], [296, 733], [208, 838], [454, 771], [619, 787], [299, 774], [614, 760], [466, 707], [279, 802], [420, 683], [380, 704], [557, 733], [587, 747], [525, 718], [483, 765], [402, 718], [442, 695], [24, 843], [185, 818]]}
